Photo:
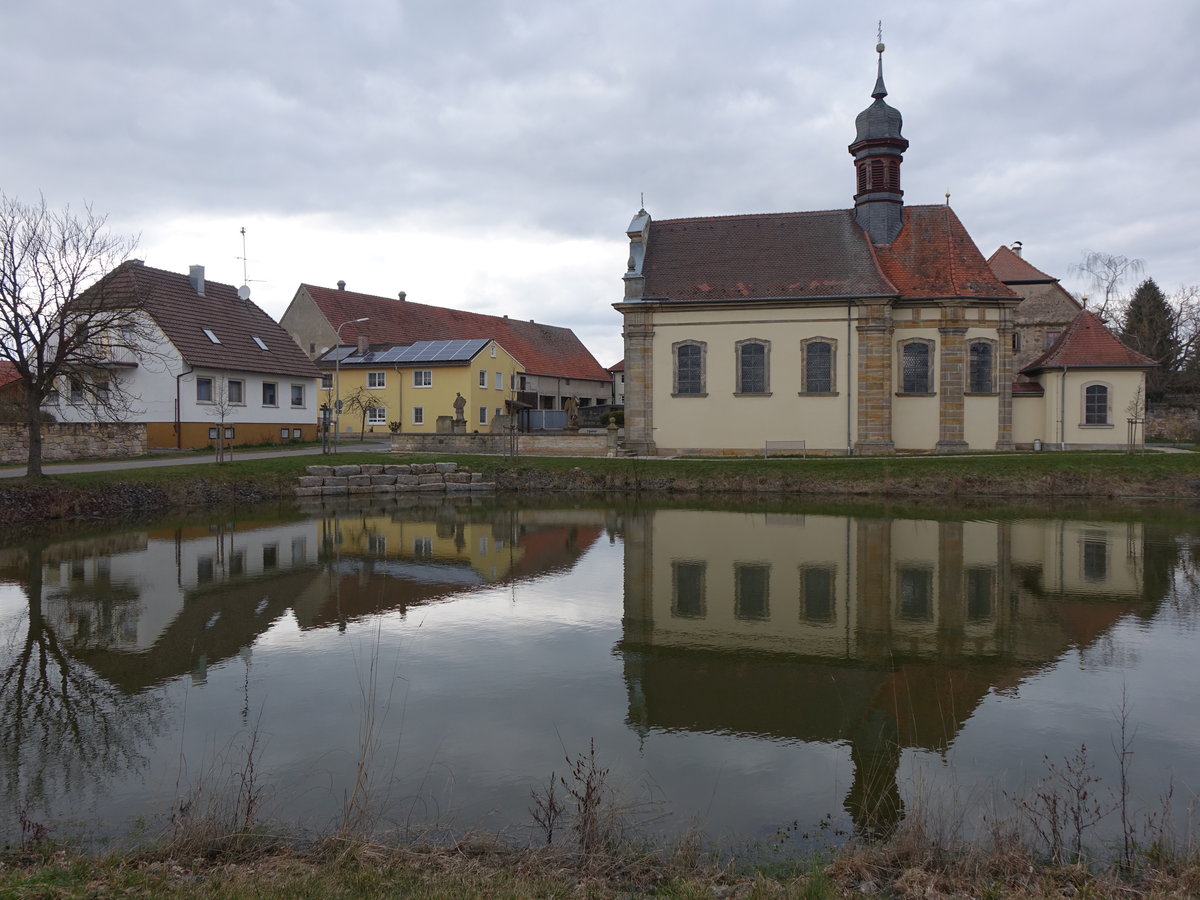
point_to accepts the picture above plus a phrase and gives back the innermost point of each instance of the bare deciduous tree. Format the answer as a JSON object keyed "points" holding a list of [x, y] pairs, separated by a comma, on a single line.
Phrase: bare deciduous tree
{"points": [[1105, 273], [56, 327]]}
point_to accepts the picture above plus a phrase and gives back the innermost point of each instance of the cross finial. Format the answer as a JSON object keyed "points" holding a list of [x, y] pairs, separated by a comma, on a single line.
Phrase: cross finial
{"points": [[879, 33]]}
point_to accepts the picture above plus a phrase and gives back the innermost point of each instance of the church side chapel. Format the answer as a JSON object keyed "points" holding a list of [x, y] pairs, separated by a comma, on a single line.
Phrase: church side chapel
{"points": [[869, 330]]}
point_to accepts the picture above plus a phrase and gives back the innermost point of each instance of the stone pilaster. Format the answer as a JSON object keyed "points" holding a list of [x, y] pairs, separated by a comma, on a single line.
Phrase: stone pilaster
{"points": [[874, 394], [639, 380], [1004, 379], [873, 565], [951, 612], [952, 378]]}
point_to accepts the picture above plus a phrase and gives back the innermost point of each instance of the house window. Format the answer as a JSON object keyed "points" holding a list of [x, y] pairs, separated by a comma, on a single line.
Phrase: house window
{"points": [[270, 394], [327, 381], [753, 365], [816, 593], [229, 434], [204, 390], [687, 589], [102, 391], [751, 587], [499, 381], [980, 356], [1095, 404], [418, 415], [689, 357], [493, 349], [283, 433], [376, 380], [377, 415], [209, 334], [483, 378], [205, 567], [270, 556], [297, 433], [979, 594], [816, 373], [259, 341], [916, 594], [483, 415], [423, 548], [237, 562], [522, 382], [422, 378], [76, 390], [298, 395], [916, 367], [377, 544], [212, 434], [236, 391], [1051, 337], [1016, 342]]}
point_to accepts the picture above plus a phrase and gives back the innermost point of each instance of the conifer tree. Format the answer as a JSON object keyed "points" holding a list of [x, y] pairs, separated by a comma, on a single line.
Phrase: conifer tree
{"points": [[1151, 327]]}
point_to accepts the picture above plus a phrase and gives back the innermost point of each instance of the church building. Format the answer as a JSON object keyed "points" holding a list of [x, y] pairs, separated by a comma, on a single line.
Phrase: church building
{"points": [[869, 330]]}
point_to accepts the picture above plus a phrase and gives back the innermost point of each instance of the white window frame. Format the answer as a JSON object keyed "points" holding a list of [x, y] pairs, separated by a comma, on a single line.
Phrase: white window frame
{"points": [[327, 381], [418, 415], [303, 396], [376, 381], [274, 386], [483, 415], [201, 382], [422, 378], [377, 415], [499, 381], [483, 379]]}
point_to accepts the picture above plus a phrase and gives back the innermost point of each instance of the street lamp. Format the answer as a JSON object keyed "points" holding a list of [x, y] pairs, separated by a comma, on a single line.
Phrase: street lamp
{"points": [[337, 381]]}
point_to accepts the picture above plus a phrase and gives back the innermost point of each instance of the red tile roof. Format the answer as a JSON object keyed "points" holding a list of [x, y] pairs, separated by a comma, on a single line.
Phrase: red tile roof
{"points": [[933, 256], [539, 349], [8, 373], [811, 255], [1027, 387], [182, 314], [1087, 343], [617, 366], [1013, 269]]}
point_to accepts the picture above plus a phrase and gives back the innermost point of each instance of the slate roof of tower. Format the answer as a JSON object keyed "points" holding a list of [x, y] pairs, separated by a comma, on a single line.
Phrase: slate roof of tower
{"points": [[182, 314], [811, 255], [1013, 269], [542, 349], [1087, 343]]}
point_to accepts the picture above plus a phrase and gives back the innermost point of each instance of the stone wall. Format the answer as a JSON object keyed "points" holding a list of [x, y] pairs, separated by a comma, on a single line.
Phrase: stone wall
{"points": [[564, 444], [74, 440], [1173, 423], [418, 478]]}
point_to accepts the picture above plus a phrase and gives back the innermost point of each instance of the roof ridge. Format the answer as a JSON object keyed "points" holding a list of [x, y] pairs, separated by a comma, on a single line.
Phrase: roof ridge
{"points": [[763, 215]]}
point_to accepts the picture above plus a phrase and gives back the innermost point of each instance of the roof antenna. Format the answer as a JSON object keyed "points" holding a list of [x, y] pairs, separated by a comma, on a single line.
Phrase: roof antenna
{"points": [[244, 290], [642, 205]]}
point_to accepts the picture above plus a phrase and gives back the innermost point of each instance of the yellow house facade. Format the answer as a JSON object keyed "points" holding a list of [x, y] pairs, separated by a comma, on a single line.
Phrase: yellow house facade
{"points": [[407, 387]]}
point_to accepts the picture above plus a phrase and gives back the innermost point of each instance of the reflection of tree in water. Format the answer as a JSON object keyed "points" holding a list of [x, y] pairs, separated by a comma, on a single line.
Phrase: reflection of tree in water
{"points": [[62, 727]]}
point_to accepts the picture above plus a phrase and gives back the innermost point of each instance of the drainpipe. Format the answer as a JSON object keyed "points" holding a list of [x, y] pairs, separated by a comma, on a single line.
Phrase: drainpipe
{"points": [[849, 381], [178, 422], [1062, 411]]}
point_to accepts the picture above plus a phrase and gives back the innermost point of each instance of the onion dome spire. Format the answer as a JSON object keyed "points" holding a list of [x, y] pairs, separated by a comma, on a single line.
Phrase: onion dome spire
{"points": [[878, 150]]}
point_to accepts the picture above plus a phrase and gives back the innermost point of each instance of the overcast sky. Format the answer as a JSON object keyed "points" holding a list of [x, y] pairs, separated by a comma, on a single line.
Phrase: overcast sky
{"points": [[489, 155]]}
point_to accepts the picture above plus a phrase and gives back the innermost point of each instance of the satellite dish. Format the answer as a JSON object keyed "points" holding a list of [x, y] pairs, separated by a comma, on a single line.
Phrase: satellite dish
{"points": [[244, 292]]}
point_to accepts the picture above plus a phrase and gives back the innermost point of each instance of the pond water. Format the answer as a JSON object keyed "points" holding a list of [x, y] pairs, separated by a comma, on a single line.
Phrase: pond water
{"points": [[736, 669]]}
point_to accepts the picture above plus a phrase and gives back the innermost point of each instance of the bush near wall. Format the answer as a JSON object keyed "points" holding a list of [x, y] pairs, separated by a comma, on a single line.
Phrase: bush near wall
{"points": [[74, 440]]}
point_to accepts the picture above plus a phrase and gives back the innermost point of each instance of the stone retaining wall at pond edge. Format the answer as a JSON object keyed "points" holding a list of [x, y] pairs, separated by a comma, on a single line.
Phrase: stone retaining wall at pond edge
{"points": [[433, 478], [74, 440]]}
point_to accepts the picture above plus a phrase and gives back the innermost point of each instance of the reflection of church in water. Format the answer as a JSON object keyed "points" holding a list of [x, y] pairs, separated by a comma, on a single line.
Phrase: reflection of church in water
{"points": [[884, 634]]}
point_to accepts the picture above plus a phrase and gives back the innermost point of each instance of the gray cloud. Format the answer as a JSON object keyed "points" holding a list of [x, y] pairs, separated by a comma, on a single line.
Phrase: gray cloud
{"points": [[1066, 126]]}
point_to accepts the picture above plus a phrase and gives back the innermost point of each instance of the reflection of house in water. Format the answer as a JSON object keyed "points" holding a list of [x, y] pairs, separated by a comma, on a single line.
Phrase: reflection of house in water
{"points": [[885, 634], [389, 557], [145, 606]]}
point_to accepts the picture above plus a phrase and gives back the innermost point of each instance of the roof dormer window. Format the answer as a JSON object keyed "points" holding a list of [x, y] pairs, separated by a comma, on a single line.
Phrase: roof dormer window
{"points": [[208, 333], [259, 341]]}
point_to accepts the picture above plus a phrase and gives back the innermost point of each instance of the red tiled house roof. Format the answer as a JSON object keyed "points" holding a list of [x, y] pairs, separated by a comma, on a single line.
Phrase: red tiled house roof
{"points": [[1088, 344], [1013, 269], [814, 255], [617, 366], [8, 373], [540, 349], [182, 314]]}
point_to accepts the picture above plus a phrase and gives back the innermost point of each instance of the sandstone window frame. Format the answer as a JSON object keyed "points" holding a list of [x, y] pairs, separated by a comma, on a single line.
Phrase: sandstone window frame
{"points": [[742, 360], [975, 383], [1095, 405], [806, 362], [701, 365], [907, 348], [818, 593]]}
